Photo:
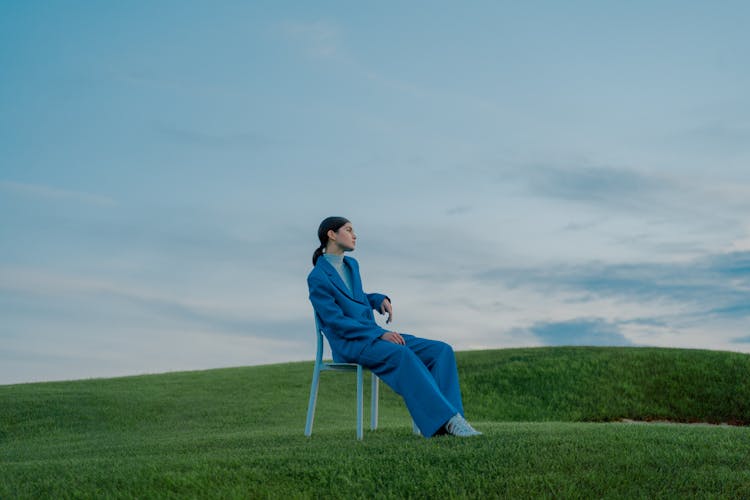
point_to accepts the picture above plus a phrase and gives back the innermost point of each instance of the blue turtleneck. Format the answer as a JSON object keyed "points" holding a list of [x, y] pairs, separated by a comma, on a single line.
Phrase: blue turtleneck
{"points": [[337, 261]]}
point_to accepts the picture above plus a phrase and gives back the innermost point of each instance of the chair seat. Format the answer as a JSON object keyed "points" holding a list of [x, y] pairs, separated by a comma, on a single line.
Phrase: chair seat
{"points": [[339, 366]]}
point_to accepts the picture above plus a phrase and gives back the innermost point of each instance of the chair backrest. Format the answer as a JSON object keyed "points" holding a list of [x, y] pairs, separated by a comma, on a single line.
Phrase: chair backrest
{"points": [[319, 339]]}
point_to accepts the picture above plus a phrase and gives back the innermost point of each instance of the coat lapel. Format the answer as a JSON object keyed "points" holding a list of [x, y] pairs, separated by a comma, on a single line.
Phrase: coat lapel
{"points": [[357, 290], [338, 282]]}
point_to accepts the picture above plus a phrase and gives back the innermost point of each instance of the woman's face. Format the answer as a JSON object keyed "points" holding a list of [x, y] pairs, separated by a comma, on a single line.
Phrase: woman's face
{"points": [[344, 237]]}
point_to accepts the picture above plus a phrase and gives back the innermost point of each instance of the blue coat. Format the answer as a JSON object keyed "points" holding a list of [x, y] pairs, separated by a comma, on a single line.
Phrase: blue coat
{"points": [[345, 316]]}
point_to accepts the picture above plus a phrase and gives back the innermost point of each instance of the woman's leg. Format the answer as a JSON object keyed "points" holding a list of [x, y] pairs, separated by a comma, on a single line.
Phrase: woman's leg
{"points": [[401, 368], [440, 360]]}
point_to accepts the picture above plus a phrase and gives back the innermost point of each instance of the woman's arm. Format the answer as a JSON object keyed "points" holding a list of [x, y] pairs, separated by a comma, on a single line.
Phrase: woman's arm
{"points": [[381, 303], [333, 317]]}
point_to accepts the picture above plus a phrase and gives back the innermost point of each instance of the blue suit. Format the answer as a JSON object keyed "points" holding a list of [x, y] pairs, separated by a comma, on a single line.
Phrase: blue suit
{"points": [[423, 371]]}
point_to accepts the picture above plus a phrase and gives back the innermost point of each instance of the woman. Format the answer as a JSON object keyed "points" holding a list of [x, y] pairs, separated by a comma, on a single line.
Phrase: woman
{"points": [[422, 371]]}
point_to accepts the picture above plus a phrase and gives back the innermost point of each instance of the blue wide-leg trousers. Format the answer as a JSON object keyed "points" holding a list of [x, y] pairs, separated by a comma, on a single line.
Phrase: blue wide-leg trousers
{"points": [[423, 372]]}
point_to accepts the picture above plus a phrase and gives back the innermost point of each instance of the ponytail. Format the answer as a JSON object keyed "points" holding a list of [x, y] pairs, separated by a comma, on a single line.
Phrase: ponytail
{"points": [[318, 252], [328, 224]]}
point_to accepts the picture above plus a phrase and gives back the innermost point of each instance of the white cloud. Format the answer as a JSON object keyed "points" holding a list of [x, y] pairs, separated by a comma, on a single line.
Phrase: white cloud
{"points": [[740, 245]]}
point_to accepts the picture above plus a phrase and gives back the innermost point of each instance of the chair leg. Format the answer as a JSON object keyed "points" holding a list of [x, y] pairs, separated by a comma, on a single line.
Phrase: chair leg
{"points": [[375, 396], [359, 402], [313, 400]]}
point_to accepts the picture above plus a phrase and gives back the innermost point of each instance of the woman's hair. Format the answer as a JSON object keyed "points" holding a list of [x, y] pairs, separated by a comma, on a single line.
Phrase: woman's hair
{"points": [[328, 224]]}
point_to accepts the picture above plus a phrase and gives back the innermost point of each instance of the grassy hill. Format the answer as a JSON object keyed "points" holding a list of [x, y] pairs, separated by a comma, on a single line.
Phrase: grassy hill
{"points": [[607, 384], [551, 418]]}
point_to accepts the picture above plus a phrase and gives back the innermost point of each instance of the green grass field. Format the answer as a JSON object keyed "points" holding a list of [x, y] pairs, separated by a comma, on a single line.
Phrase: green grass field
{"points": [[552, 419]]}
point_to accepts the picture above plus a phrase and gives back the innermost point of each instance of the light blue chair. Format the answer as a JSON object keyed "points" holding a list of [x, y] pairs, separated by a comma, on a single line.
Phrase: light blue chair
{"points": [[320, 366]]}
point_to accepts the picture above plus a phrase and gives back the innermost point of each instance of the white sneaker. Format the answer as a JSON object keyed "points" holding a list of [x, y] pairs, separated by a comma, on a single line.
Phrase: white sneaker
{"points": [[458, 426]]}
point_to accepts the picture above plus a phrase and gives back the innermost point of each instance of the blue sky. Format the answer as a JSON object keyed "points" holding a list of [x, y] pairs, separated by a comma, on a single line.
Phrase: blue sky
{"points": [[518, 174]]}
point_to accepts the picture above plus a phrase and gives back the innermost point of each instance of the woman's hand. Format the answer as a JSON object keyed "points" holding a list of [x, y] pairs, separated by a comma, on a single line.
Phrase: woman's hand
{"points": [[394, 337], [385, 307]]}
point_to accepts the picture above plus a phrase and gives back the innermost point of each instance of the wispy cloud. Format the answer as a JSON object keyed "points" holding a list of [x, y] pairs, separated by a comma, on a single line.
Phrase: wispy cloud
{"points": [[700, 208], [727, 136], [458, 210], [318, 38], [584, 331], [614, 187], [53, 193], [708, 283], [220, 314], [741, 244], [587, 183]]}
